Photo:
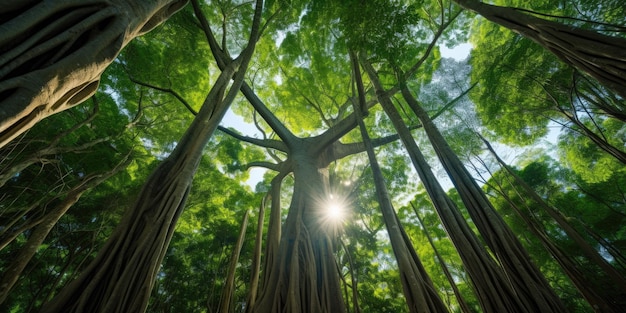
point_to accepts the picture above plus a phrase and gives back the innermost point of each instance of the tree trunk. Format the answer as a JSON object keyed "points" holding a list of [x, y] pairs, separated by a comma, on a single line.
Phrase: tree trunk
{"points": [[492, 287], [39, 234], [121, 277], [528, 282], [460, 299], [229, 284], [302, 276], [596, 298], [53, 52], [602, 57], [419, 292], [256, 259]]}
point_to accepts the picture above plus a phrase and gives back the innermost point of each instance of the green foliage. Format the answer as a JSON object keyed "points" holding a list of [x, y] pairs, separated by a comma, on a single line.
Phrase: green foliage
{"points": [[303, 73]]}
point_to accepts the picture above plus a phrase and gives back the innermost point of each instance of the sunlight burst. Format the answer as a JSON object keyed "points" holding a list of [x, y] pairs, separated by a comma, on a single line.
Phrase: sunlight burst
{"points": [[334, 211]]}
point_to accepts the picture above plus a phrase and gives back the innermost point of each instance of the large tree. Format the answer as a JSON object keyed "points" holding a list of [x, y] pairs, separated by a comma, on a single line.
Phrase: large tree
{"points": [[53, 52], [351, 111]]}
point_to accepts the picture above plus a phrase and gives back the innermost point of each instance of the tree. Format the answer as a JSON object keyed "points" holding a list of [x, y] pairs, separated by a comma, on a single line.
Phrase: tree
{"points": [[48, 69], [132, 254], [600, 56], [330, 137]]}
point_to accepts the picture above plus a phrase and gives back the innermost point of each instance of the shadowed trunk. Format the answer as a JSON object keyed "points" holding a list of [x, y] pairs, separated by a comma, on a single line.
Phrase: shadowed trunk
{"points": [[597, 298], [121, 277], [41, 231], [53, 52], [492, 287], [419, 291], [444, 267], [600, 56], [528, 282]]}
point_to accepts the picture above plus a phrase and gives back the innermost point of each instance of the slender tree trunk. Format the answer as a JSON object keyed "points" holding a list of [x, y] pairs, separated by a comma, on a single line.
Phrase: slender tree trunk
{"points": [[53, 52], [39, 234], [419, 292], [493, 289], [598, 301], [353, 280], [256, 259], [528, 282], [460, 299], [600, 141], [229, 284], [602, 57], [610, 273]]}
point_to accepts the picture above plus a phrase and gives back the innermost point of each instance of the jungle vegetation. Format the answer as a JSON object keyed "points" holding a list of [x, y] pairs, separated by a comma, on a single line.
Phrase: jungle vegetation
{"points": [[394, 178]]}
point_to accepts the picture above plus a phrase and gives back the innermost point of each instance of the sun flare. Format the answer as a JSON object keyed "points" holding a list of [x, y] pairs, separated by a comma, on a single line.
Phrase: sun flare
{"points": [[334, 211]]}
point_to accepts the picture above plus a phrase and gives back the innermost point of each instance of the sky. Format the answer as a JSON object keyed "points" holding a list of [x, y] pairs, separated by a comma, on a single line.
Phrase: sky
{"points": [[459, 53]]}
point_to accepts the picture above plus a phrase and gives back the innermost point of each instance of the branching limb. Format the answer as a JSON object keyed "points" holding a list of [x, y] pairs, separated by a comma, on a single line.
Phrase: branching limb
{"points": [[265, 143]]}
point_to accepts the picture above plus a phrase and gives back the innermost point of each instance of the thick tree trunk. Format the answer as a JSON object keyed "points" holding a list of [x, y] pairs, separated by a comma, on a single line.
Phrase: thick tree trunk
{"points": [[53, 52], [530, 285], [120, 279], [602, 57], [302, 276]]}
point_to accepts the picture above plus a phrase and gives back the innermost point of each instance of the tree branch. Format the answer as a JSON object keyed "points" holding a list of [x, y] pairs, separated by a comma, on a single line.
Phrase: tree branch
{"points": [[265, 143]]}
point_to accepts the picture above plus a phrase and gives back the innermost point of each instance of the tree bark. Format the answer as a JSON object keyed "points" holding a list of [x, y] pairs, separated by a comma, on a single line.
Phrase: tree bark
{"points": [[461, 300], [121, 277], [530, 285], [229, 285], [597, 298], [39, 234], [301, 275], [493, 289], [600, 56], [419, 291], [53, 52], [256, 259]]}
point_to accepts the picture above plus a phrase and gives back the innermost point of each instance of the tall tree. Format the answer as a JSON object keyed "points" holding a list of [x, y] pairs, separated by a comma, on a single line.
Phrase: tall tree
{"points": [[55, 51], [303, 94], [121, 277], [601, 56], [524, 275]]}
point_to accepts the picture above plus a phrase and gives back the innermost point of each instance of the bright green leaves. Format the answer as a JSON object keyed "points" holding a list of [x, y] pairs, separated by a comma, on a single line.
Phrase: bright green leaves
{"points": [[233, 156], [586, 159], [510, 98]]}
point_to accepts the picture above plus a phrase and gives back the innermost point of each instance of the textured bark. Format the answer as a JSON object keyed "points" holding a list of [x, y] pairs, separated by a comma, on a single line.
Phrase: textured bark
{"points": [[256, 259], [53, 52], [531, 287], [493, 288], [461, 300], [121, 277], [301, 275], [597, 298], [229, 285], [602, 57], [39, 234], [419, 291]]}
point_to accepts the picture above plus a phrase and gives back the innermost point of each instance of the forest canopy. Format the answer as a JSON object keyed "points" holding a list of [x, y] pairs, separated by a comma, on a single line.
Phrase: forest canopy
{"points": [[313, 156]]}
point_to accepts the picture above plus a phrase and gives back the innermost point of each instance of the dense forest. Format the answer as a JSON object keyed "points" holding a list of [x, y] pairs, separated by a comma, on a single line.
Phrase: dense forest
{"points": [[312, 156]]}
